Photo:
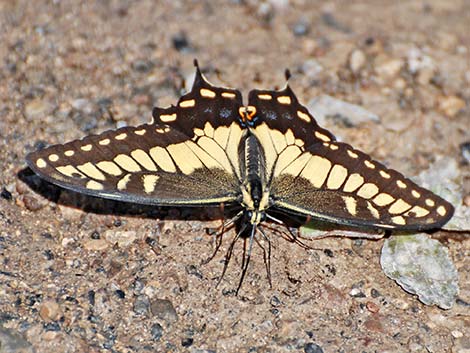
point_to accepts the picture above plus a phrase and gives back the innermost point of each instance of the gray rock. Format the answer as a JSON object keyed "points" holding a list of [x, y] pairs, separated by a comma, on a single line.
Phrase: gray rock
{"points": [[164, 309], [421, 266], [324, 106], [13, 342]]}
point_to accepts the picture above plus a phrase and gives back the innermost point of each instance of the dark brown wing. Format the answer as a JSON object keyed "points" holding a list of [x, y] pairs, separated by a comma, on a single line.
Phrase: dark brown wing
{"points": [[310, 173]]}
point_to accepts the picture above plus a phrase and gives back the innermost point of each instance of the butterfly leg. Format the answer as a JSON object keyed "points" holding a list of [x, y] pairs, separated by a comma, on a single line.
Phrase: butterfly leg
{"points": [[229, 253], [219, 235], [246, 257], [266, 255]]}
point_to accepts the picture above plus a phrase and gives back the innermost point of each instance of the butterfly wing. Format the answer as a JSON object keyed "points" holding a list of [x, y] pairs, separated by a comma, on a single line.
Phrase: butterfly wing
{"points": [[186, 156], [312, 174]]}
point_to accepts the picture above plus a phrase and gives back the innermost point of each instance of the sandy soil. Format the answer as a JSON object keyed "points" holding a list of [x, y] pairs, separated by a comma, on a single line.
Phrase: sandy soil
{"points": [[85, 275]]}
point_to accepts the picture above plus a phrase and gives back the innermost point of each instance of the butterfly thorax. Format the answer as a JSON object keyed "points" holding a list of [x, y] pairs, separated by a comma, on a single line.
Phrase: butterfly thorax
{"points": [[255, 191]]}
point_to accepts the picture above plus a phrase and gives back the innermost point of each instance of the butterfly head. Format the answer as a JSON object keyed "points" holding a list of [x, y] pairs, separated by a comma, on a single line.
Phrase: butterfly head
{"points": [[247, 116]]}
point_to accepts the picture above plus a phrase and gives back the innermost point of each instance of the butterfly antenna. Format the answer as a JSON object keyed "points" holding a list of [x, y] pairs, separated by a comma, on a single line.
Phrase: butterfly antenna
{"points": [[246, 257], [219, 234]]}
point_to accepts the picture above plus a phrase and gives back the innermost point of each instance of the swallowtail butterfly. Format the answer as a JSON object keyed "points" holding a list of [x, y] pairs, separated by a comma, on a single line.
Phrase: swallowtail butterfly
{"points": [[211, 149]]}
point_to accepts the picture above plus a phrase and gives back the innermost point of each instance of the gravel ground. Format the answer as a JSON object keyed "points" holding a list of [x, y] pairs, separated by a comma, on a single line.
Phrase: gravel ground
{"points": [[86, 275]]}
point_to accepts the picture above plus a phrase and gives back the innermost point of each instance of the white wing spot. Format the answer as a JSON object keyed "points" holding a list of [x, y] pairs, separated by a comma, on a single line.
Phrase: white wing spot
{"points": [[94, 185], [303, 116], [89, 169], [162, 130], [352, 154], [144, 159], [163, 159], [109, 167], [70, 171], [187, 103], [351, 204], [430, 202], [333, 147], [104, 142], [167, 118], [384, 174], [53, 157], [368, 190], [322, 136], [284, 100], [399, 206], [149, 182], [69, 153], [354, 181], [369, 164], [337, 177], [401, 184], [207, 93], [398, 220], [86, 148], [415, 194], [122, 183], [373, 211], [441, 210], [140, 132], [121, 136], [383, 199], [265, 97], [316, 170], [418, 212], [228, 95], [127, 163]]}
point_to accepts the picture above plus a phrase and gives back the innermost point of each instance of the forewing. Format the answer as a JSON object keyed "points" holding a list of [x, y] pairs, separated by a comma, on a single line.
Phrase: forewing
{"points": [[312, 174]]}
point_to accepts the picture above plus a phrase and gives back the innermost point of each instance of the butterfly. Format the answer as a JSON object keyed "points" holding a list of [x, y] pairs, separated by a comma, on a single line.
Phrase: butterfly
{"points": [[269, 155]]}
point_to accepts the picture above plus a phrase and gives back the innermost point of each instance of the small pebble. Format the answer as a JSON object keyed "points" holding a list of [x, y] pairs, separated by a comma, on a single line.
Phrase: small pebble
{"points": [[389, 68], [466, 200], [163, 309], [5, 194], [457, 334], [312, 348], [356, 293], [301, 28], [450, 105], [38, 109], [49, 310], [141, 305], [465, 151], [187, 342], [181, 42], [357, 61], [374, 293], [143, 66], [121, 238], [95, 245], [372, 307], [156, 331]]}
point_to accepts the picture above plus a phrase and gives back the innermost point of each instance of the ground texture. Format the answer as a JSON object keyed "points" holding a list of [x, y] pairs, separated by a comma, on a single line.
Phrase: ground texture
{"points": [[85, 275]]}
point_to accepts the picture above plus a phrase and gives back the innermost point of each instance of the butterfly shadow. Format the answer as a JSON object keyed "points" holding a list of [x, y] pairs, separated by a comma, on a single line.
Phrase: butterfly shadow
{"points": [[101, 206]]}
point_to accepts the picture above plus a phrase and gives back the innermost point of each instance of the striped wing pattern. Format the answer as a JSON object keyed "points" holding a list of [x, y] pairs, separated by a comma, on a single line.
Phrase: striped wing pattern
{"points": [[312, 174], [186, 156]]}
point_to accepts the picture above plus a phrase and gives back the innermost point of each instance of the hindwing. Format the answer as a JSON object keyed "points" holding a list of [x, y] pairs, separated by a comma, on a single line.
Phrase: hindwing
{"points": [[312, 174]]}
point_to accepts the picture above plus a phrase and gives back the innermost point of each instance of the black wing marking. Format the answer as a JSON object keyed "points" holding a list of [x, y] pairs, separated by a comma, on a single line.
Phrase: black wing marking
{"points": [[312, 174]]}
